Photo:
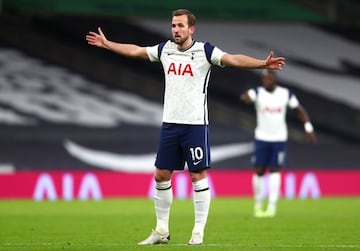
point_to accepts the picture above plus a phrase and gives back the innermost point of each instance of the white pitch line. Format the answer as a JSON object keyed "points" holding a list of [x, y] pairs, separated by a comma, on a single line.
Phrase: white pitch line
{"points": [[32, 244]]}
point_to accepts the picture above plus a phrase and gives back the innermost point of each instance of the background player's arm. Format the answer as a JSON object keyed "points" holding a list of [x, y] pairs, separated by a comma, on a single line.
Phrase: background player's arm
{"points": [[243, 61], [244, 97], [127, 50], [304, 118]]}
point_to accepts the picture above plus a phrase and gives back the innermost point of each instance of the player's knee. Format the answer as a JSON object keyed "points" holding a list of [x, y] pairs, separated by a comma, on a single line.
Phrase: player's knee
{"points": [[162, 175], [274, 169], [198, 175], [260, 171]]}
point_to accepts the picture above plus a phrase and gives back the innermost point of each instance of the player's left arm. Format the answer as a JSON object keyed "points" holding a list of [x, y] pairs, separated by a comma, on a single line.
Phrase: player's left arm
{"points": [[304, 118], [247, 62]]}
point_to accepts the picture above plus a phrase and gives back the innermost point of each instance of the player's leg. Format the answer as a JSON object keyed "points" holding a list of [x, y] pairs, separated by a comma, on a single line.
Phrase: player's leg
{"points": [[277, 162], [196, 147], [258, 184], [274, 191], [201, 201], [260, 157], [163, 198], [169, 156]]}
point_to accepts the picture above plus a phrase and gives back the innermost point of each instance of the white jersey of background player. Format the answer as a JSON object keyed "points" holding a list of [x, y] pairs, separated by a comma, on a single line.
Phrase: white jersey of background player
{"points": [[271, 110], [271, 102], [184, 132]]}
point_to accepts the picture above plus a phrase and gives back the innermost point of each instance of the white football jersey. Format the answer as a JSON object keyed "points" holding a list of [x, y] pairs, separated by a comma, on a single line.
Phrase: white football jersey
{"points": [[186, 80], [271, 112]]}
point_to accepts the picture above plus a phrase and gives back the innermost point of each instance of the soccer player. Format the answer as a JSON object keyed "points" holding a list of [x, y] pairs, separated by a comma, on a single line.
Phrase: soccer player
{"points": [[184, 135], [271, 102]]}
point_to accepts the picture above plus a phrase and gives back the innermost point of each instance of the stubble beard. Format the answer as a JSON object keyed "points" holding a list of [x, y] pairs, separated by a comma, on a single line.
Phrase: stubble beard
{"points": [[180, 41]]}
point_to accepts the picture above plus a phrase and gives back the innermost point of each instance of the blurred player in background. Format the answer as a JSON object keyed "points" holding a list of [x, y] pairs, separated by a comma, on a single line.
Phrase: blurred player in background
{"points": [[184, 135], [271, 135]]}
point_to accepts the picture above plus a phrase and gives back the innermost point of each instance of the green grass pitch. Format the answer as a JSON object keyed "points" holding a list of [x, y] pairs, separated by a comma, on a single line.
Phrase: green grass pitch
{"points": [[118, 224]]}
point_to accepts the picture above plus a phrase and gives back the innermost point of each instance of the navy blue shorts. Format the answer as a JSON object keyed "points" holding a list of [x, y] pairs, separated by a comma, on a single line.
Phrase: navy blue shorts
{"points": [[270, 154], [180, 144]]}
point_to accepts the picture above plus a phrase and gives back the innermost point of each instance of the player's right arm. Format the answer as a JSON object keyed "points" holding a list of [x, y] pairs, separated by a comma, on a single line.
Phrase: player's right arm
{"points": [[244, 97], [248, 96], [127, 50]]}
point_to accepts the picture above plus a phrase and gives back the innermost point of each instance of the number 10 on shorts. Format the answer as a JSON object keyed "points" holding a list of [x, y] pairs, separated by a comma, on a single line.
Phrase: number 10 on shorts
{"points": [[197, 154]]}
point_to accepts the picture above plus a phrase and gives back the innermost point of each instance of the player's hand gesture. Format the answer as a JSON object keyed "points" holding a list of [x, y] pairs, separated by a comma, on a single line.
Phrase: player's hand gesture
{"points": [[96, 39], [274, 63]]}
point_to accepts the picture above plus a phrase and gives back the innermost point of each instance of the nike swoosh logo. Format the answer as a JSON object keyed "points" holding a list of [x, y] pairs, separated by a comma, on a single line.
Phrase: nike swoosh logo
{"points": [[196, 162], [144, 163]]}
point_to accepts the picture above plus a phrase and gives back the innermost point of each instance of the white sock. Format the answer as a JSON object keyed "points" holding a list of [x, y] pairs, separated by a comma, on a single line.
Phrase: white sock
{"points": [[258, 183], [274, 189], [201, 201], [163, 198]]}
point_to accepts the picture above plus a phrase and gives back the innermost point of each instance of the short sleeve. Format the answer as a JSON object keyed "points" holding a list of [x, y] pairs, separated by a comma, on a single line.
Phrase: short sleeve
{"points": [[293, 102], [216, 56], [252, 94], [152, 52]]}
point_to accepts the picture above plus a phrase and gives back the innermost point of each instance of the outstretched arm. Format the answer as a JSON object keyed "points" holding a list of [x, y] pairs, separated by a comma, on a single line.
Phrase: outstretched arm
{"points": [[243, 61], [127, 50], [304, 118]]}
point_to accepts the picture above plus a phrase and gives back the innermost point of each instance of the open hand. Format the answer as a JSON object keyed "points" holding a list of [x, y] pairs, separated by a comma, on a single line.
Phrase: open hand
{"points": [[274, 63], [96, 39]]}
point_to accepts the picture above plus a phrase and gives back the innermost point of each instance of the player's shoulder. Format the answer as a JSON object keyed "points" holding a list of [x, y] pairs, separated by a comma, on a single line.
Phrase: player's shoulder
{"points": [[282, 89], [279, 91], [198, 46], [284, 92], [201, 43], [260, 89], [167, 47], [168, 44], [205, 45], [171, 45]]}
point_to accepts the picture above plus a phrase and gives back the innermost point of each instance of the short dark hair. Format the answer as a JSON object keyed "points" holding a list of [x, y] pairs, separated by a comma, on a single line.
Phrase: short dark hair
{"points": [[191, 17]]}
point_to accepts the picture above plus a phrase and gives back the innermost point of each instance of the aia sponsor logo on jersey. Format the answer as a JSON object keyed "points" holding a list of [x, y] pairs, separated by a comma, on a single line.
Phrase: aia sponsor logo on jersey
{"points": [[180, 69], [268, 109]]}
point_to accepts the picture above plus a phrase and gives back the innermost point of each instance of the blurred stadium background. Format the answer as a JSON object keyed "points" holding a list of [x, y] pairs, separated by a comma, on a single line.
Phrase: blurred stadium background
{"points": [[74, 115]]}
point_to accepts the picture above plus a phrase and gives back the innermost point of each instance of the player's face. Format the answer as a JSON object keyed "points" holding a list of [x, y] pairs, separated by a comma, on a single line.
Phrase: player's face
{"points": [[269, 81], [181, 31]]}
